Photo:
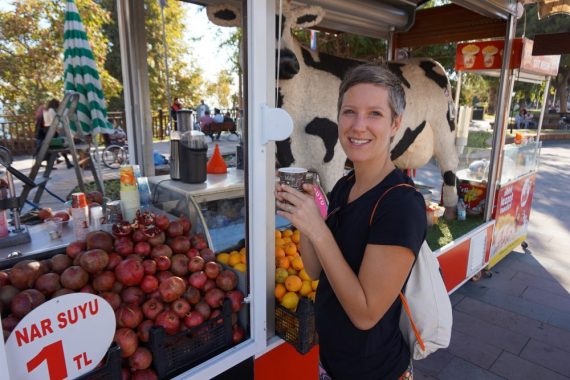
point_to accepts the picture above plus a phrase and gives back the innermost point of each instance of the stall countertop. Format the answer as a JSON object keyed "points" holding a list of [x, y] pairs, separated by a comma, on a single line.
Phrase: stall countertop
{"points": [[215, 183], [41, 241]]}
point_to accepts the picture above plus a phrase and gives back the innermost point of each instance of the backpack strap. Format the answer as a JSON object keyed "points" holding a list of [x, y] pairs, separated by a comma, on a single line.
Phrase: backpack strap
{"points": [[401, 295]]}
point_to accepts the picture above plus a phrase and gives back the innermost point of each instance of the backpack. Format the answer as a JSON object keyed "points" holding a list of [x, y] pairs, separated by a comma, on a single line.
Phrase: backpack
{"points": [[426, 317]]}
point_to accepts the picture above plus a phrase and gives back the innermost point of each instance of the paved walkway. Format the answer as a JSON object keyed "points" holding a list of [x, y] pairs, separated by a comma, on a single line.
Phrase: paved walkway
{"points": [[514, 325]]}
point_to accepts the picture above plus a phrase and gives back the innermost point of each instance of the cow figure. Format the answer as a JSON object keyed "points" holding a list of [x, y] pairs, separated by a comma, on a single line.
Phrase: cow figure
{"points": [[308, 90]]}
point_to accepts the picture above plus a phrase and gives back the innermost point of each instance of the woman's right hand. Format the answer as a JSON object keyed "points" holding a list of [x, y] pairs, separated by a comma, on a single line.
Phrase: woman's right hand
{"points": [[299, 208]]}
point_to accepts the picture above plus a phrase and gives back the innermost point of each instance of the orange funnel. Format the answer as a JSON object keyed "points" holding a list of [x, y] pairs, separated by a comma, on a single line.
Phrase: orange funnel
{"points": [[217, 165]]}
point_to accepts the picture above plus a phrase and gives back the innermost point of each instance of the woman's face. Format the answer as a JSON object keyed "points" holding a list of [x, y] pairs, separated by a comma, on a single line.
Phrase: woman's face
{"points": [[365, 123]]}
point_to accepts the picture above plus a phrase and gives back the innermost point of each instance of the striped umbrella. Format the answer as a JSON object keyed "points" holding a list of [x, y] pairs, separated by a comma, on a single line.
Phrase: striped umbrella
{"points": [[81, 75]]}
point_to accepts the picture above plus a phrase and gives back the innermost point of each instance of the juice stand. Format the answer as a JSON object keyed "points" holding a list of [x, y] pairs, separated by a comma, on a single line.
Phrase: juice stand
{"points": [[262, 354]]}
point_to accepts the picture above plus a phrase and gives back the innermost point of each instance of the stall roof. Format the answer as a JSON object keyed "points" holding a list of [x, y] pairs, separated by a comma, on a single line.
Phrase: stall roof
{"points": [[376, 18]]}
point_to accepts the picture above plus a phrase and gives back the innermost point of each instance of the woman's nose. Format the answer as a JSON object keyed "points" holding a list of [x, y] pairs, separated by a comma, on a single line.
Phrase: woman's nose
{"points": [[359, 122]]}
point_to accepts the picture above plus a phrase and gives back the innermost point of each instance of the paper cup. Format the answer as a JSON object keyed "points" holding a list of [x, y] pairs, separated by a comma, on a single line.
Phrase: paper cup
{"points": [[294, 177]]}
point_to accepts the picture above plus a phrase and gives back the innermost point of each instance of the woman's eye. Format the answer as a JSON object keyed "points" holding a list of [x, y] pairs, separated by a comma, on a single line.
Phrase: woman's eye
{"points": [[347, 112], [375, 113]]}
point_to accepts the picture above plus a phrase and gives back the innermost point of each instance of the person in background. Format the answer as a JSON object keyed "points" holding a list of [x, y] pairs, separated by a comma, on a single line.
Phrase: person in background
{"points": [[175, 107], [201, 109], [228, 118], [364, 250], [523, 117], [218, 117], [205, 123], [49, 118], [40, 130]]}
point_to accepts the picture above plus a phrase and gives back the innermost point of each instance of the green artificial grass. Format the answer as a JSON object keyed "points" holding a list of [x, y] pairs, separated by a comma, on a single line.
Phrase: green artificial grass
{"points": [[446, 231], [479, 139], [112, 188]]}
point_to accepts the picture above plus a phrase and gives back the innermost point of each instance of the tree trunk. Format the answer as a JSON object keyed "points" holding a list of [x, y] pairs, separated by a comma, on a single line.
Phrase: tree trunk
{"points": [[491, 103], [562, 90]]}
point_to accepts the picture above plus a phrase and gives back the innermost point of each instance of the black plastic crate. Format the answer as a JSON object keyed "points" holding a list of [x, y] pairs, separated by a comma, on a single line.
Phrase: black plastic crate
{"points": [[174, 354], [297, 328], [110, 370]]}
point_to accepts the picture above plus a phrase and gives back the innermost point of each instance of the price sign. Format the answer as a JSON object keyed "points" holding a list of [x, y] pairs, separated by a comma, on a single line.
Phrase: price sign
{"points": [[63, 338]]}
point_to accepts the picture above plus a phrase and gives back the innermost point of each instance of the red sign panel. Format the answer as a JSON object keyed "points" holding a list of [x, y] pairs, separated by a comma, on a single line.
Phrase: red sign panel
{"points": [[512, 212]]}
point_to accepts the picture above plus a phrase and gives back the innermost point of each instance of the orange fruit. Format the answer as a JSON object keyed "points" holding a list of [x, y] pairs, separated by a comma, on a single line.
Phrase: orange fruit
{"points": [[290, 301], [235, 258], [279, 242], [304, 275], [292, 271], [305, 288], [293, 283], [283, 262], [223, 258], [243, 259], [240, 267], [277, 234], [297, 263], [280, 291], [287, 233], [279, 252], [281, 275], [242, 251], [290, 249], [296, 237]]}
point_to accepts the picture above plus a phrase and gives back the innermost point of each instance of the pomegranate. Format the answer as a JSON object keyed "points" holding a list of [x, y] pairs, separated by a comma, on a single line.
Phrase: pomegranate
{"points": [[94, 197], [112, 298], [142, 248], [162, 222], [24, 273], [169, 321], [87, 289], [210, 284], [212, 269], [151, 308], [104, 281], [162, 262], [149, 266], [161, 250], [124, 246], [130, 272], [21, 304], [144, 218], [192, 252], [192, 295], [180, 307], [7, 293], [199, 241], [179, 265], [125, 373], [227, 280], [196, 264], [10, 322], [172, 288], [180, 244], [74, 278], [186, 225], [133, 294], [123, 228], [94, 260], [4, 278], [75, 247], [151, 233], [143, 330], [163, 275], [114, 260], [129, 315], [139, 236], [157, 239], [77, 258], [60, 262], [63, 215], [149, 283], [45, 213], [207, 254], [236, 298], [145, 374], [141, 359], [193, 319], [203, 308], [214, 297], [117, 287], [237, 334], [126, 339], [175, 229], [48, 283], [61, 292], [198, 279], [99, 240]]}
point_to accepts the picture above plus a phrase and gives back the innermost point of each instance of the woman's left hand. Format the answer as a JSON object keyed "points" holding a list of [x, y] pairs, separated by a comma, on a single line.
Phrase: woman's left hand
{"points": [[299, 207]]}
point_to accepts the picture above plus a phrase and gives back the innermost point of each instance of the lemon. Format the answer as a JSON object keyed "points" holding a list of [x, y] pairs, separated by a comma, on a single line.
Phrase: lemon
{"points": [[304, 276], [311, 296], [240, 266], [305, 288], [223, 258], [280, 275], [290, 301], [314, 284], [292, 271], [235, 258]]}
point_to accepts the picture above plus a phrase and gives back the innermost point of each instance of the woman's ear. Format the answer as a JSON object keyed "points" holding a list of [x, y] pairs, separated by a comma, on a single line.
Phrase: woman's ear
{"points": [[396, 125]]}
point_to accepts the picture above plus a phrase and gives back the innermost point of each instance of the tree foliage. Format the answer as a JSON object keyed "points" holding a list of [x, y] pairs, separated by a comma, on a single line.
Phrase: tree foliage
{"points": [[31, 51]]}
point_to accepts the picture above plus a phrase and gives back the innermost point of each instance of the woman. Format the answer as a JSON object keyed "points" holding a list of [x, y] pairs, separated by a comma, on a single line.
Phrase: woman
{"points": [[49, 115], [362, 255]]}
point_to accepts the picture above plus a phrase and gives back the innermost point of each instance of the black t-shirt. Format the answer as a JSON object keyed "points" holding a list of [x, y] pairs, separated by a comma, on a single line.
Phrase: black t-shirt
{"points": [[400, 219]]}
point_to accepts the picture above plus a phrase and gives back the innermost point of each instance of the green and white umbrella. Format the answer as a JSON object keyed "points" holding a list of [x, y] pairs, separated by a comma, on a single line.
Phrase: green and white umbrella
{"points": [[81, 75]]}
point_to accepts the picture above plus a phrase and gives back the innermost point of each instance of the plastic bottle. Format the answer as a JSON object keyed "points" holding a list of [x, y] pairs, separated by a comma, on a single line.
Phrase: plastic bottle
{"points": [[461, 210]]}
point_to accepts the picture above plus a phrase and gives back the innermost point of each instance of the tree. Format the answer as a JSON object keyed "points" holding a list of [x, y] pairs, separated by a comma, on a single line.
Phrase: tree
{"points": [[31, 51], [222, 88]]}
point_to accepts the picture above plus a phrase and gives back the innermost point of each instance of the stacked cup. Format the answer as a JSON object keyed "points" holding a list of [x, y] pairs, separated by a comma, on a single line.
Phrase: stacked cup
{"points": [[130, 198]]}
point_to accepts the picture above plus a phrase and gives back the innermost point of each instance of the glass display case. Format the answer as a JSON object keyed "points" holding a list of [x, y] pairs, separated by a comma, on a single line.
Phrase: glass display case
{"points": [[520, 160]]}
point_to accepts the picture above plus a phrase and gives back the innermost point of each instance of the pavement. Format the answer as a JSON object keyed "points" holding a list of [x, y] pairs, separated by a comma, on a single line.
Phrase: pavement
{"points": [[513, 325]]}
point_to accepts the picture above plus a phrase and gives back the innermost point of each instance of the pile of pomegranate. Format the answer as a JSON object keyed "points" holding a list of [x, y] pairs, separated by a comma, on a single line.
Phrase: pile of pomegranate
{"points": [[153, 272]]}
